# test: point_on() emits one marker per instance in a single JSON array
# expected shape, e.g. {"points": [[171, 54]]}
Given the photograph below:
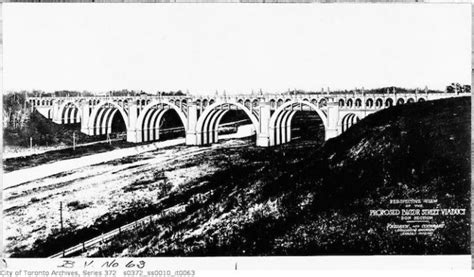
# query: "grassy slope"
{"points": [[43, 131]]}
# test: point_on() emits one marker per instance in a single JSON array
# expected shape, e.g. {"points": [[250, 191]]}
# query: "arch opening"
{"points": [[162, 125], [341, 102], [160, 121], [301, 121], [118, 125], [70, 114], [225, 120], [379, 103], [235, 123], [306, 127], [369, 103], [108, 119], [348, 121]]}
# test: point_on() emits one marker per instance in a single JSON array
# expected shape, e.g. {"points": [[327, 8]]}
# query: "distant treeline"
{"points": [[73, 93], [19, 97], [452, 88]]}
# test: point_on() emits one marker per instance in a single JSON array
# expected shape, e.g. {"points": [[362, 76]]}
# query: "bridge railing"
{"points": [[49, 100]]}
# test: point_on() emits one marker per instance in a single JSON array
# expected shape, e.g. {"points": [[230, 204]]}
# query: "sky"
{"points": [[203, 48]]}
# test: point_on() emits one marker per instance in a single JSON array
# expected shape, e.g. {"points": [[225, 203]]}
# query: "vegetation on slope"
{"points": [[43, 132]]}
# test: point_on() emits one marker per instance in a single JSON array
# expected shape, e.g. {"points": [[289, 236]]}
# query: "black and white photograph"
{"points": [[217, 130]]}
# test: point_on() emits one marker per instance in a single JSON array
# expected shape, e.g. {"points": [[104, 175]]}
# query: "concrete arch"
{"points": [[379, 103], [64, 112], [255, 103], [309, 104], [207, 123], [151, 125], [283, 134], [210, 134], [105, 122], [96, 120], [97, 129], [109, 122], [149, 130], [347, 121], [369, 102], [341, 102], [322, 103], [280, 121], [349, 103], [279, 102], [400, 101], [248, 103], [388, 102], [154, 134], [272, 104], [71, 115], [146, 109]]}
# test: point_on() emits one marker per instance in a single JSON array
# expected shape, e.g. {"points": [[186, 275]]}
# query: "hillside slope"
{"points": [[43, 131], [302, 199]]}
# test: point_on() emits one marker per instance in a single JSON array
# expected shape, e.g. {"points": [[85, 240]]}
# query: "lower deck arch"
{"points": [[108, 118], [152, 121], [281, 121], [208, 123], [69, 113], [347, 121]]}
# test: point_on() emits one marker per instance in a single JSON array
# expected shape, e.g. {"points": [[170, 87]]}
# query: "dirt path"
{"points": [[29, 174], [17, 177]]}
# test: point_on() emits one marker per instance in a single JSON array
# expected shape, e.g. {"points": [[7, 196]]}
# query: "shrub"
{"points": [[76, 205]]}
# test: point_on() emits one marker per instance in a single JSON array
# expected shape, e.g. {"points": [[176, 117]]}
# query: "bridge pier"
{"points": [[263, 134], [191, 133], [332, 129], [133, 135], [56, 113], [85, 119]]}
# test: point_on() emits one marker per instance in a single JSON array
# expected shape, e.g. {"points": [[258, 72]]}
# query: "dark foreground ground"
{"points": [[303, 199]]}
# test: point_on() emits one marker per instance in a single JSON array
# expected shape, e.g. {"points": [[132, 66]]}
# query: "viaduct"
{"points": [[270, 114]]}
